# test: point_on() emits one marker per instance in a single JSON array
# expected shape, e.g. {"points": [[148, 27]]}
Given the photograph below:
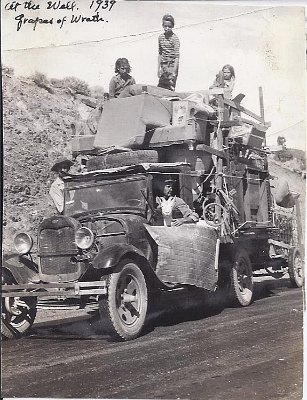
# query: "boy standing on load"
{"points": [[169, 45]]}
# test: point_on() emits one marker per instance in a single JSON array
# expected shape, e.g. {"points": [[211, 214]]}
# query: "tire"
{"points": [[296, 268], [122, 159], [241, 279], [17, 314], [125, 319], [210, 214]]}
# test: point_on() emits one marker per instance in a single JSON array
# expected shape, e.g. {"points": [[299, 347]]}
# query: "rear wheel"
{"points": [[124, 309], [241, 277], [296, 268], [17, 313]]}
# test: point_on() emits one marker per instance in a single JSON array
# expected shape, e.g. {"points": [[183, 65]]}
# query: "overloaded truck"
{"points": [[110, 245]]}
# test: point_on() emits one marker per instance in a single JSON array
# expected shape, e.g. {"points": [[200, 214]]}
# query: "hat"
{"points": [[169, 180], [60, 163]]}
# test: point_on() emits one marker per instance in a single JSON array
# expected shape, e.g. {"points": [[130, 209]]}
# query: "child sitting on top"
{"points": [[122, 79], [225, 79]]}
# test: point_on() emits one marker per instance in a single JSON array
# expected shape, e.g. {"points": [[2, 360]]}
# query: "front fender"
{"points": [[22, 268], [110, 256]]}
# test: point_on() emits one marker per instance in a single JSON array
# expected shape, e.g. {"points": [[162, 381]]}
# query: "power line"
{"points": [[154, 32], [284, 129], [151, 33]]}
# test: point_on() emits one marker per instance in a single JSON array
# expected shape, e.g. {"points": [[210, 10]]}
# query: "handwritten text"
{"points": [[98, 11]]}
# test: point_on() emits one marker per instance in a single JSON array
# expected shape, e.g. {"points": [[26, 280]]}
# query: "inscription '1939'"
{"points": [[102, 4]]}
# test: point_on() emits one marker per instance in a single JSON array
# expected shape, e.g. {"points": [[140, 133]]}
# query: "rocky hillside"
{"points": [[37, 118], [37, 129]]}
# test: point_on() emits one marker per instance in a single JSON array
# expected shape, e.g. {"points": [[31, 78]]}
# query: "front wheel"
{"points": [[241, 277], [17, 314], [124, 309], [295, 268]]}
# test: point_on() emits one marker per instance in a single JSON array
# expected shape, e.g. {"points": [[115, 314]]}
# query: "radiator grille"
{"points": [[56, 247], [58, 265]]}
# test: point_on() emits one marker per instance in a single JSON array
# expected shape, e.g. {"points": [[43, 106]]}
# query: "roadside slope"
{"points": [[36, 126]]}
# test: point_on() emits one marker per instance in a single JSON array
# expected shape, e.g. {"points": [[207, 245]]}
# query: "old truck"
{"points": [[110, 246]]}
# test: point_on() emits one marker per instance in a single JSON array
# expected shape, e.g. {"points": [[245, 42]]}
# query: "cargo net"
{"points": [[285, 222]]}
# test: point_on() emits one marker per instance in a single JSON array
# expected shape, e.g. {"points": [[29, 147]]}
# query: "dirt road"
{"points": [[191, 352]]}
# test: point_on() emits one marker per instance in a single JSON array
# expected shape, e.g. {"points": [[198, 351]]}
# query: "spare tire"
{"points": [[121, 159]]}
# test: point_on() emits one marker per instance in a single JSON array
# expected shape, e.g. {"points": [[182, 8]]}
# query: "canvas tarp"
{"points": [[186, 254]]}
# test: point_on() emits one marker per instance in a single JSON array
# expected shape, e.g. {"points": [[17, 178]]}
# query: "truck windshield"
{"points": [[122, 194]]}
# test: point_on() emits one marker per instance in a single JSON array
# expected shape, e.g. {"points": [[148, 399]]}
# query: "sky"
{"points": [[264, 43]]}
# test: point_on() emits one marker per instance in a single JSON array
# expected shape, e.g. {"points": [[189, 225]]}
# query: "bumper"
{"points": [[55, 289]]}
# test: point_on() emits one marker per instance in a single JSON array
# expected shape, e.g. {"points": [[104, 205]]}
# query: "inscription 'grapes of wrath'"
{"points": [[96, 6]]}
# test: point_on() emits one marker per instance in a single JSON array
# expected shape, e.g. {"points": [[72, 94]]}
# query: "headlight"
{"points": [[23, 243], [84, 238]]}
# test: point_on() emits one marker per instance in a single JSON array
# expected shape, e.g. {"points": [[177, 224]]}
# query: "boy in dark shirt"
{"points": [[169, 44]]}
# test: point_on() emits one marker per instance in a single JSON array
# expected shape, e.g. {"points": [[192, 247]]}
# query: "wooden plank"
{"points": [[234, 180], [261, 103], [263, 211], [253, 187], [211, 150], [237, 106], [185, 184], [225, 124], [280, 244], [219, 162], [299, 222]]}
